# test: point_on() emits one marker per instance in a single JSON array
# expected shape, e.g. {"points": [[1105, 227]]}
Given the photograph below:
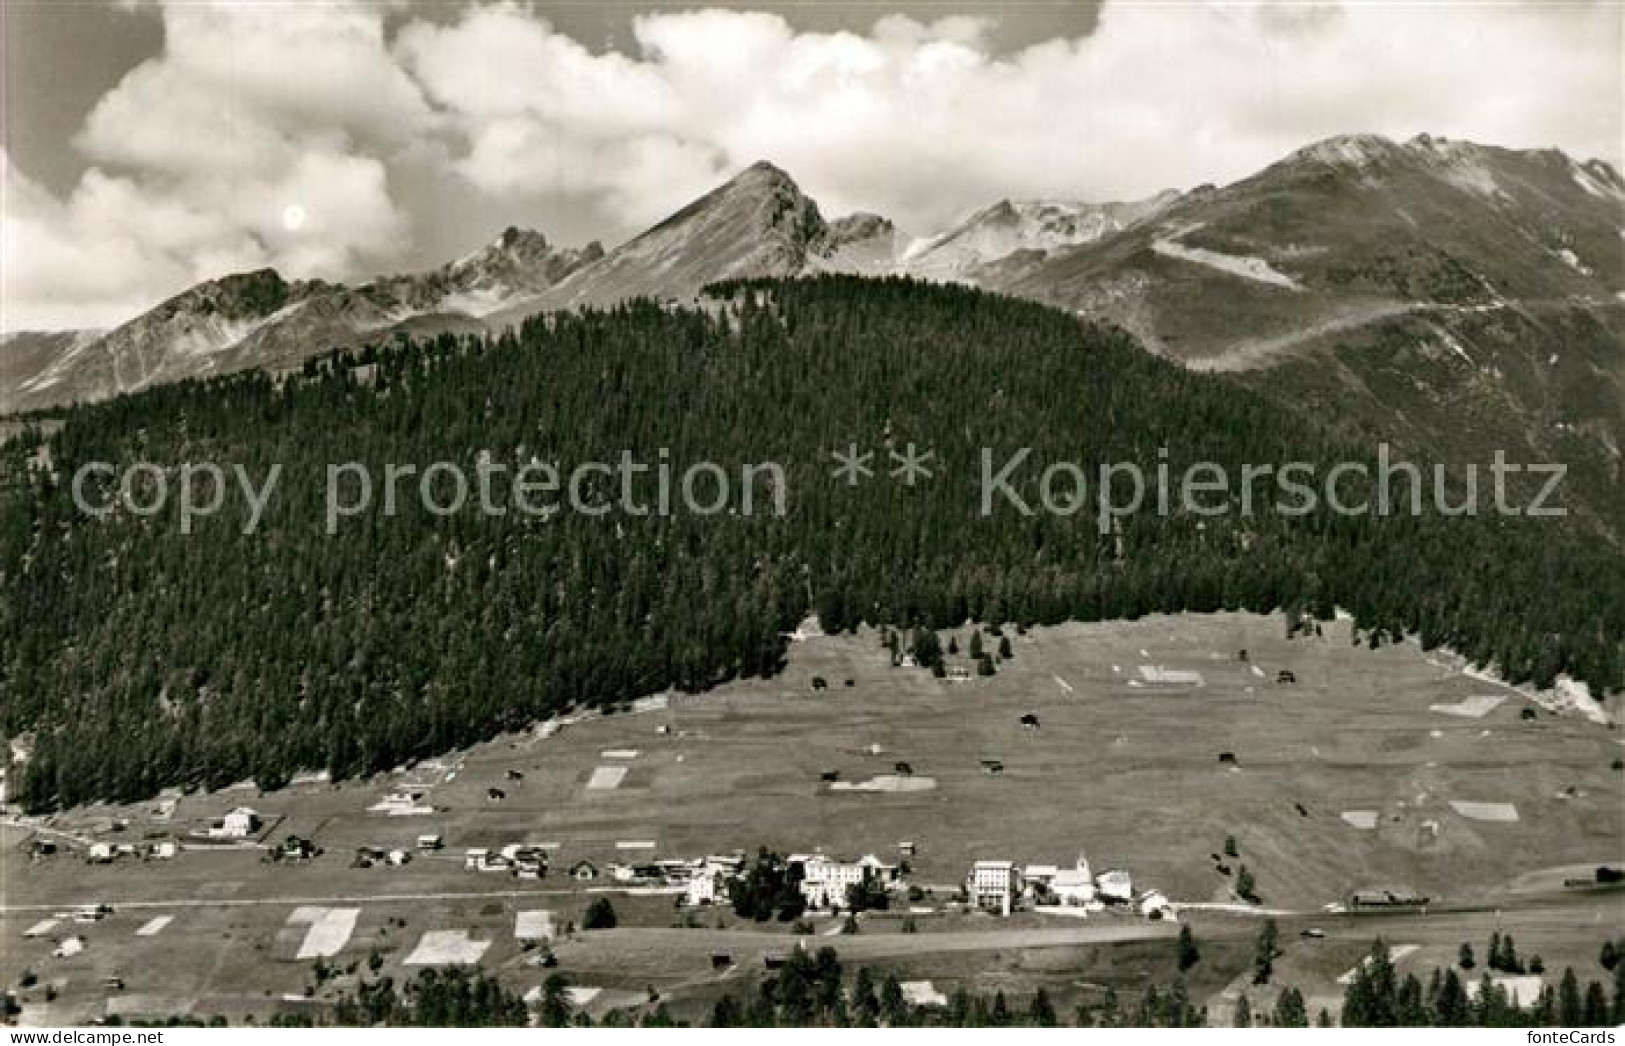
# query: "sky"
{"points": [[149, 144]]}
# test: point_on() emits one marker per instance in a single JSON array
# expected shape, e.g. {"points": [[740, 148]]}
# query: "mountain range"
{"points": [[759, 223], [1450, 296]]}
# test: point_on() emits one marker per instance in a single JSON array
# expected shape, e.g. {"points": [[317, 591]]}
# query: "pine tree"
{"points": [[555, 1009], [1595, 1012], [726, 1014], [1264, 952], [1110, 1014], [1246, 888], [1189, 955], [1289, 1009], [892, 1006], [1570, 1008], [1042, 1013], [1451, 1010], [1510, 963], [600, 915], [865, 1003]]}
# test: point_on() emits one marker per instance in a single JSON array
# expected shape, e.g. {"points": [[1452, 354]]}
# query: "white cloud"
{"points": [[924, 122], [201, 151], [255, 108]]}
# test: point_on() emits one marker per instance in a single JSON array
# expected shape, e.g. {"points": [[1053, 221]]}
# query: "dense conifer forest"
{"points": [[133, 656]]}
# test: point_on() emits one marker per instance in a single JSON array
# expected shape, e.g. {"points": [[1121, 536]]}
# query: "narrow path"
{"points": [[1262, 352], [241, 902], [24, 826], [1221, 1006]]}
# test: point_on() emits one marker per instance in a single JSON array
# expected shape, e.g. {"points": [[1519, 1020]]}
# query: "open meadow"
{"points": [[1385, 769]]}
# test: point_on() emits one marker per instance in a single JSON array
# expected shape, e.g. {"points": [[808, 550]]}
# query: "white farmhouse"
{"points": [[1115, 885], [1154, 904], [707, 878], [237, 824], [824, 882], [879, 869], [704, 888]]}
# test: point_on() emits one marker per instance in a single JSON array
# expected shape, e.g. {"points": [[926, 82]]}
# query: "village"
{"points": [[826, 883]]}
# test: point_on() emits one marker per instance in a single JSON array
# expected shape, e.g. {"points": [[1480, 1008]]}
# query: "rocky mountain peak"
{"points": [[237, 296], [520, 240], [860, 225], [1358, 151]]}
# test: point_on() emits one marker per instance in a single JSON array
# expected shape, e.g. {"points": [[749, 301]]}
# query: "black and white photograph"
{"points": [[877, 514]]}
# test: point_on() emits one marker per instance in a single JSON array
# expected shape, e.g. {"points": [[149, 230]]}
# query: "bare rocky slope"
{"points": [[259, 319], [1454, 298]]}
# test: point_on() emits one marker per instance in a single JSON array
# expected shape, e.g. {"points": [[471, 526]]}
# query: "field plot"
{"points": [[533, 925], [922, 993], [154, 926], [1475, 707], [1522, 989], [1159, 676], [329, 930], [1397, 953], [1503, 812], [446, 948], [886, 783], [606, 778]]}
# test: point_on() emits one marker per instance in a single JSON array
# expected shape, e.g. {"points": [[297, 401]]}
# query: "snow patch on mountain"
{"points": [[1573, 261], [1245, 266], [1462, 164], [481, 301], [61, 367], [1597, 178]]}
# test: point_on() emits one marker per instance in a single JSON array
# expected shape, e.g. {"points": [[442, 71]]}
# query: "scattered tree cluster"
{"points": [[1379, 998], [769, 889]]}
